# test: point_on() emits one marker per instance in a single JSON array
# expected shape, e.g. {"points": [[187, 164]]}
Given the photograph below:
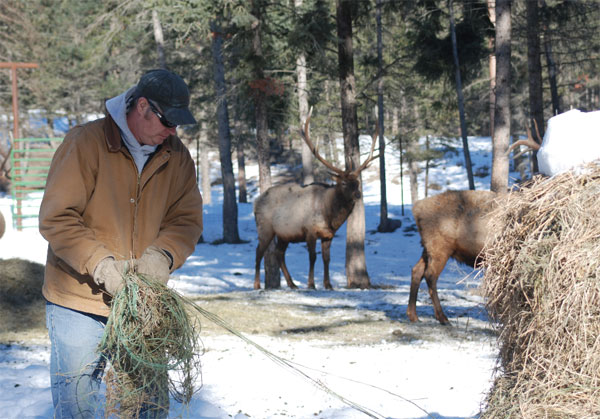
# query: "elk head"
{"points": [[340, 176]]}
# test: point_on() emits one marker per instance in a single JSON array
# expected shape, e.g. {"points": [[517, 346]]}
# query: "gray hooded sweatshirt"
{"points": [[117, 108]]}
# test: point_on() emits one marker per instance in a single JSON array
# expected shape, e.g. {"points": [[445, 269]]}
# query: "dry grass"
{"points": [[150, 334], [542, 281], [22, 306]]}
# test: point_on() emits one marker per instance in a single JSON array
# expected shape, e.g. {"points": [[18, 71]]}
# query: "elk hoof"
{"points": [[311, 287], [443, 320], [328, 287], [412, 316]]}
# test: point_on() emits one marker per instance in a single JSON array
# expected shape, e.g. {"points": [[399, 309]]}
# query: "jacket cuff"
{"points": [[170, 256], [95, 259]]}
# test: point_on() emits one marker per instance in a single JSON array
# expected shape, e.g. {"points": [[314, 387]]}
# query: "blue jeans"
{"points": [[76, 366]]}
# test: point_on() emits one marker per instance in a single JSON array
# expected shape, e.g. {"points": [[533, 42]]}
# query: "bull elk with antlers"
{"points": [[294, 214]]}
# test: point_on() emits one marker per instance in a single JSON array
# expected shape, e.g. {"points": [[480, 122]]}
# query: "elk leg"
{"points": [[416, 277], [311, 243], [432, 272], [261, 248], [280, 249], [325, 247]]}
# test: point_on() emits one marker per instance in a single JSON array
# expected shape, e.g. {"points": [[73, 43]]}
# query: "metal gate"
{"points": [[30, 163]]}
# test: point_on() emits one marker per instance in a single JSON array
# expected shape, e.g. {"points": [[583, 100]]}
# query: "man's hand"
{"points": [[109, 272], [155, 263]]}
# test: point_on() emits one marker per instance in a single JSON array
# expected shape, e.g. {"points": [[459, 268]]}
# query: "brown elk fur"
{"points": [[293, 213], [452, 224]]}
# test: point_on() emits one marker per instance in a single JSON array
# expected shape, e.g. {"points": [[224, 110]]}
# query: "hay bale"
{"points": [[542, 283]]}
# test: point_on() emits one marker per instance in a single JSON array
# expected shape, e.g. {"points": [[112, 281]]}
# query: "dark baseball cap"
{"points": [[169, 92]]}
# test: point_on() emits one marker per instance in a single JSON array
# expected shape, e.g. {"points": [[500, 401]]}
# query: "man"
{"points": [[121, 190]]}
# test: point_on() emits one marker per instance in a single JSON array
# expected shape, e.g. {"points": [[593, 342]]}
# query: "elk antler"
{"points": [[371, 157], [313, 149], [529, 142]]}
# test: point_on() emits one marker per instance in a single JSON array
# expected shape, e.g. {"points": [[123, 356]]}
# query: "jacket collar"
{"points": [[112, 134]]}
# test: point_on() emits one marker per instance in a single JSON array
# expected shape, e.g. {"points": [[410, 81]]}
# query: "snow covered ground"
{"points": [[444, 373]]}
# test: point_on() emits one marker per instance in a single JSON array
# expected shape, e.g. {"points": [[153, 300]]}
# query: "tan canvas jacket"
{"points": [[96, 205]]}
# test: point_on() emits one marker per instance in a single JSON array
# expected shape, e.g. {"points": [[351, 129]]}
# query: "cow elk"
{"points": [[294, 214], [453, 224]]}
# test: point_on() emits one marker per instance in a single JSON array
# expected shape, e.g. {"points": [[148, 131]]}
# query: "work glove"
{"points": [[155, 263], [109, 273]]}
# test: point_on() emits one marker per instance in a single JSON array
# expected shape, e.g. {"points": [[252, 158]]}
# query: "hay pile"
{"points": [[154, 348], [20, 282], [542, 283]]}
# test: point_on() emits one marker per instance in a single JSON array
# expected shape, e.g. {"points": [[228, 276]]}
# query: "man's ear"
{"points": [[142, 105]]}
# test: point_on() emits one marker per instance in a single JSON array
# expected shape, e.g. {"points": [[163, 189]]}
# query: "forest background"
{"points": [[408, 70]]}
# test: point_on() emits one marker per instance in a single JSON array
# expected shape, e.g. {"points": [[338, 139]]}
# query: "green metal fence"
{"points": [[30, 163]]}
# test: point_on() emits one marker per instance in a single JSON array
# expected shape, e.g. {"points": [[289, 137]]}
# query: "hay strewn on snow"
{"points": [[542, 283]]}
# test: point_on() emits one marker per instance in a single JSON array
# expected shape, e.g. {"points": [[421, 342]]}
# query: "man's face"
{"points": [[150, 129]]}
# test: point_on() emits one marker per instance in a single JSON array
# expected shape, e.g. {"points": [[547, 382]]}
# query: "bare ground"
{"points": [[341, 316], [332, 316]]}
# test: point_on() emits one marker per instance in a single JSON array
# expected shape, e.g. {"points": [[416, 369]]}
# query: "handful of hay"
{"points": [[542, 283], [149, 333]]}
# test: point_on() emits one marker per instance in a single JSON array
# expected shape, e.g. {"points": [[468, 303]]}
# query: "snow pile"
{"points": [[571, 139]]}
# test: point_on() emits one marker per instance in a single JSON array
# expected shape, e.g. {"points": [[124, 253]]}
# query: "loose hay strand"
{"points": [[154, 348], [542, 283], [282, 361], [150, 332]]}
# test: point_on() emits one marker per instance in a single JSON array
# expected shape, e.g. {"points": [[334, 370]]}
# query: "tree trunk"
{"points": [[426, 182], [356, 265], [501, 139], [230, 210], [205, 174], [412, 151], [302, 86], [385, 224], [413, 175], [491, 5], [396, 135], [551, 64], [159, 38], [205, 165], [396, 120], [534, 68], [552, 72], [242, 188], [331, 134], [461, 105], [272, 277]]}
